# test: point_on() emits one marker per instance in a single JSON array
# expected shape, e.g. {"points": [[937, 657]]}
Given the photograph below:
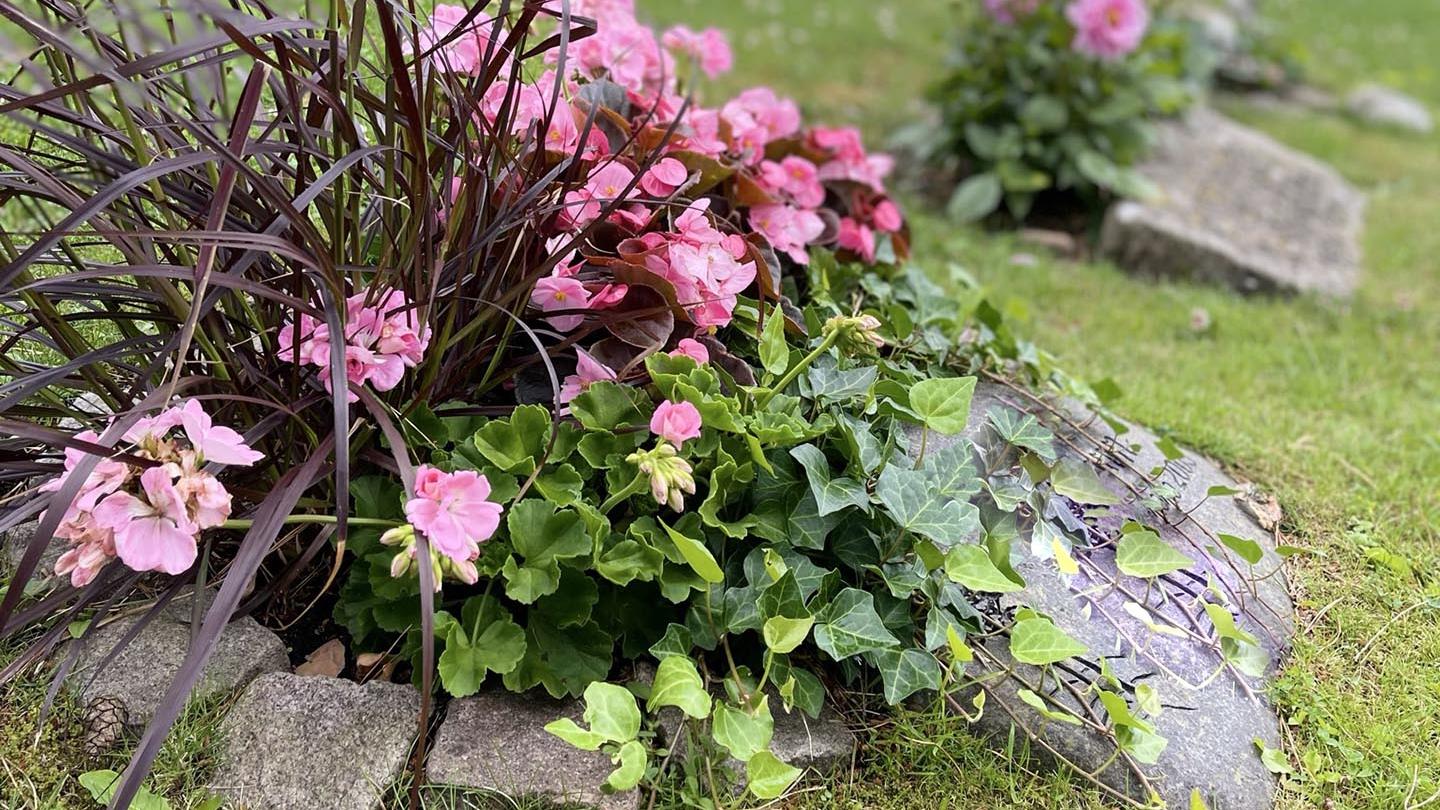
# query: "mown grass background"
{"points": [[1334, 407]]}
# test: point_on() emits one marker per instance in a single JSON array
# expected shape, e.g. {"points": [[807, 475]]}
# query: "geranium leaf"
{"points": [[607, 406]]}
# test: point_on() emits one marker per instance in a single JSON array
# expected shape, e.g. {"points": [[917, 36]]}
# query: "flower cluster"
{"points": [[149, 517], [456, 515], [1106, 29], [383, 337], [694, 203]]}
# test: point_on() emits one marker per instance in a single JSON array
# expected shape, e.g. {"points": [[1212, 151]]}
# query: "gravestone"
{"points": [[1213, 714], [1236, 208], [307, 742]]}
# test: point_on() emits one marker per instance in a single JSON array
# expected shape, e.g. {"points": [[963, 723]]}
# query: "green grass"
{"points": [[1334, 407]]}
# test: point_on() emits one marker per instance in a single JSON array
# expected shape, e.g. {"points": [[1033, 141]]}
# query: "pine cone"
{"points": [[104, 725]]}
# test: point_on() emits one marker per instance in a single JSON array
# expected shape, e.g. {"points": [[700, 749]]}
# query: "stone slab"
{"points": [[496, 741], [1386, 107], [1210, 723], [140, 674], [297, 743], [1239, 209]]}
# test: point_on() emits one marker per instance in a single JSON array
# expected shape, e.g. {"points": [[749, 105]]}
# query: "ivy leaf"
{"points": [[767, 777], [943, 404], [922, 508], [1024, 430], [1249, 550], [774, 353], [696, 555], [809, 528], [743, 734], [950, 471], [849, 625], [905, 672], [971, 566], [102, 785], [569, 731], [632, 759], [783, 635], [1143, 554], [678, 683], [831, 495], [1038, 641], [829, 384], [1076, 480], [611, 711], [1273, 759], [676, 641], [1037, 703]]}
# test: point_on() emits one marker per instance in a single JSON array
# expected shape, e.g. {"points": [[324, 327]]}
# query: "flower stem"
{"points": [[637, 484], [794, 372]]}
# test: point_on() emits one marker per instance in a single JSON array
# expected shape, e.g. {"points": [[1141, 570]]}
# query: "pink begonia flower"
{"points": [[604, 12], [554, 293], [624, 52], [153, 534], [887, 217], [756, 117], [795, 177], [693, 349], [788, 229], [857, 238], [664, 177], [588, 371], [464, 53], [709, 48], [1007, 11], [1108, 29], [213, 442], [850, 161], [605, 186], [453, 510], [676, 422], [707, 279]]}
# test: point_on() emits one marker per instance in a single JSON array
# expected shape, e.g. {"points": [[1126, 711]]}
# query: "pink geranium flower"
{"points": [[709, 48], [213, 442], [453, 510], [384, 336], [1108, 29], [693, 349], [887, 217], [676, 422], [788, 229], [588, 371], [154, 533]]}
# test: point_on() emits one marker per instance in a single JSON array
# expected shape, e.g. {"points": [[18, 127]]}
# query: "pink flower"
{"points": [[756, 117], [665, 177], [788, 229], [383, 334], [709, 48], [92, 547], [108, 476], [796, 177], [453, 511], [214, 443], [1007, 11], [153, 534], [605, 186], [850, 161], [1108, 29], [559, 293], [676, 422], [588, 371], [887, 217], [693, 349], [464, 53], [857, 238], [206, 499]]}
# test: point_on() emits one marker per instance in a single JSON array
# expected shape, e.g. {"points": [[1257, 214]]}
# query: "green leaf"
{"points": [[774, 353], [905, 672], [944, 403], [1024, 430], [850, 625], [767, 777], [831, 495], [499, 648], [541, 532], [1249, 550], [829, 384], [1042, 114], [743, 734], [678, 683], [976, 198], [1076, 480], [607, 406], [676, 641], [567, 730], [1143, 554], [696, 555], [611, 711], [971, 566], [1038, 641], [102, 785], [1037, 703], [632, 759], [561, 485], [783, 635], [1197, 802], [516, 444], [919, 506], [1272, 758]]}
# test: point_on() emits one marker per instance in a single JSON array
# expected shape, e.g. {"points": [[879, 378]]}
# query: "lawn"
{"points": [[1333, 407]]}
